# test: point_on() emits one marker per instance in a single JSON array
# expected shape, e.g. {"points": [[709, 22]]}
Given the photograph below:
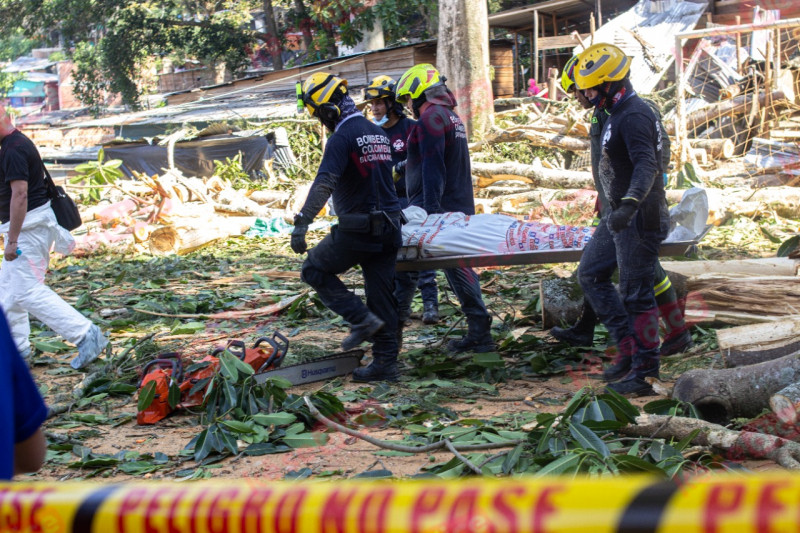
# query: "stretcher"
{"points": [[567, 255]]}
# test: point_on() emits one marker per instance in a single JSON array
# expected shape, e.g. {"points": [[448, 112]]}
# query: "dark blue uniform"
{"points": [[356, 172], [398, 140], [439, 180], [630, 166]]}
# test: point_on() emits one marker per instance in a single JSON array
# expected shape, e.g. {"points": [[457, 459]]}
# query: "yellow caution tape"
{"points": [[710, 504]]}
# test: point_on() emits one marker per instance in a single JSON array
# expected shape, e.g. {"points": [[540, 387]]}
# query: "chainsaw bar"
{"points": [[330, 366]]}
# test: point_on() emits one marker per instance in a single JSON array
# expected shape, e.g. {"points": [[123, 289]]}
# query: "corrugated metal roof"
{"points": [[646, 32], [27, 63]]}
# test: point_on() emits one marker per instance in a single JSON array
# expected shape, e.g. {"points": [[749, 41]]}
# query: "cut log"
{"points": [[270, 198], [786, 403], [756, 343], [735, 445], [764, 295], [720, 395], [536, 138], [182, 240], [772, 266], [539, 176], [714, 148], [562, 301]]}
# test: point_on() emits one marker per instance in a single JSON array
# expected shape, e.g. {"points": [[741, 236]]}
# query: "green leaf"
{"points": [[687, 440], [567, 463], [202, 447], [281, 383], [624, 410], [146, 396], [660, 451], [50, 346], [243, 367], [239, 427], [190, 328], [137, 468], [228, 366], [575, 402], [174, 395], [789, 245], [630, 463], [265, 448], [587, 438], [488, 360], [512, 459], [306, 440]]}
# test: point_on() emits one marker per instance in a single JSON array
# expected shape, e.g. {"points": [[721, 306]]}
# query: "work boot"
{"points": [[678, 343], [621, 364], [478, 338], [362, 331], [89, 348], [580, 334], [430, 313], [382, 368], [634, 384]]}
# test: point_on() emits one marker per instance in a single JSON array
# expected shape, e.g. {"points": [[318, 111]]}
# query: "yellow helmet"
{"points": [[319, 88], [380, 87], [415, 81], [601, 63], [568, 75]]}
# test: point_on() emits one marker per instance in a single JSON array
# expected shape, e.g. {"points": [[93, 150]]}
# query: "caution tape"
{"points": [[709, 504]]}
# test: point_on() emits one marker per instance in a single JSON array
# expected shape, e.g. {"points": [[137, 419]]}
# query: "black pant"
{"points": [[340, 251]]}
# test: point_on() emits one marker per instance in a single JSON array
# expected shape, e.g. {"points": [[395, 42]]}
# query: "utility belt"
{"points": [[375, 223]]}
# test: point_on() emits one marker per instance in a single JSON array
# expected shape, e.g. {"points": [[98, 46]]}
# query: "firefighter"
{"points": [[630, 232], [677, 337], [439, 180], [356, 172], [389, 114]]}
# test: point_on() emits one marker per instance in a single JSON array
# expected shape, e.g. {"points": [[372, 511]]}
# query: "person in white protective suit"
{"points": [[29, 229]]}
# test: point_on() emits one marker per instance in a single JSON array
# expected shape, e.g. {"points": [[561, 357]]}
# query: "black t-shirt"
{"points": [[398, 138], [438, 173], [20, 160], [359, 157]]}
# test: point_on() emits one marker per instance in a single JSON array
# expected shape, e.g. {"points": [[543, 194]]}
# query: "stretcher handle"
{"points": [[171, 360], [235, 343], [274, 357]]}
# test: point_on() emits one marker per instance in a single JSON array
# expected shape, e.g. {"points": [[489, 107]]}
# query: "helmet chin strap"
{"points": [[417, 103]]}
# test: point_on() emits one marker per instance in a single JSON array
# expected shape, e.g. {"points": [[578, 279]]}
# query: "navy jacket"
{"points": [[438, 175]]}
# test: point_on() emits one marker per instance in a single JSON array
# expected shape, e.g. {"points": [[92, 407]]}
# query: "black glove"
{"points": [[301, 223], [620, 218], [399, 171]]}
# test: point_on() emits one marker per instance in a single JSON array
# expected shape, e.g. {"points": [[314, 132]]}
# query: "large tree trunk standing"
{"points": [[274, 42], [462, 55]]}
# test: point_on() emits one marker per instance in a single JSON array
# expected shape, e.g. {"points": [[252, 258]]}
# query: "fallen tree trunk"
{"points": [[756, 343], [720, 395], [182, 239], [786, 403], [735, 445], [538, 176], [562, 301], [536, 138], [729, 108], [771, 266], [765, 295], [715, 148]]}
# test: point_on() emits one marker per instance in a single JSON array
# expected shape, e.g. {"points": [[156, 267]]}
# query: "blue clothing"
{"points": [[22, 409], [398, 139], [355, 170], [438, 175]]}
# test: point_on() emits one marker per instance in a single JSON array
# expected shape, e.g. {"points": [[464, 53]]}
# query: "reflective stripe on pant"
{"points": [[23, 291]]}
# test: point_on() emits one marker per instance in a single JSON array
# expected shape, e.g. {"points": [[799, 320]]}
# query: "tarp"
{"points": [[27, 89], [192, 158]]}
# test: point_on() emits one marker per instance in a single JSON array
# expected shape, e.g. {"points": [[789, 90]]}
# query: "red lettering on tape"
{"points": [[501, 505], [426, 504], [462, 512], [254, 509], [544, 508], [334, 511], [372, 516], [768, 506], [722, 500], [172, 514], [220, 510], [288, 511], [129, 504]]}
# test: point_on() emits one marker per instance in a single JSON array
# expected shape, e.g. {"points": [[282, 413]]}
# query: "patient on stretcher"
{"points": [[450, 234]]}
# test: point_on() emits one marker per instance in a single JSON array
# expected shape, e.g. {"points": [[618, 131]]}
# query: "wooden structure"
{"points": [[557, 24], [358, 70]]}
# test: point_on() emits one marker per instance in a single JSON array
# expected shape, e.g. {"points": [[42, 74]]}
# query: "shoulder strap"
{"points": [[52, 192]]}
